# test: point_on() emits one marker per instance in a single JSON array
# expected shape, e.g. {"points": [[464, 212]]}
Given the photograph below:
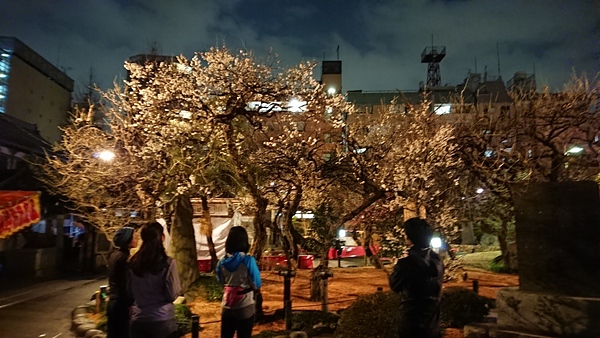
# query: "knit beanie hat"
{"points": [[123, 237]]}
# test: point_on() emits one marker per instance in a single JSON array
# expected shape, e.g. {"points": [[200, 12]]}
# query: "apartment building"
{"points": [[32, 89]]}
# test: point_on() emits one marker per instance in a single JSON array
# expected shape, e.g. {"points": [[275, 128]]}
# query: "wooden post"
{"points": [[288, 315], [324, 295], [195, 326], [324, 275], [97, 298], [476, 286]]}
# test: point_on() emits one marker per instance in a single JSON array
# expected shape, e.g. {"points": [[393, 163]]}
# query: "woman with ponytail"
{"points": [[154, 285]]}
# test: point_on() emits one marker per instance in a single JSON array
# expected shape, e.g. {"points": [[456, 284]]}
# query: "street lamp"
{"points": [[574, 150], [106, 155], [436, 243], [296, 106]]}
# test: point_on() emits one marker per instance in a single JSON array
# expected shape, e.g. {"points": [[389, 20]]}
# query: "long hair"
{"points": [[151, 257], [237, 241]]}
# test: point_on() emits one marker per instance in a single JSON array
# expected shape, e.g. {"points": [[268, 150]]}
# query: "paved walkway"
{"points": [[13, 292]]}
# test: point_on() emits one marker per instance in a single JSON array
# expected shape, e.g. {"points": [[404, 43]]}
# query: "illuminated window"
{"points": [[4, 71], [327, 156], [442, 108]]}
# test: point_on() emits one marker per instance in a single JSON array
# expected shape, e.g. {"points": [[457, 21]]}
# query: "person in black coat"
{"points": [[117, 309], [418, 279]]}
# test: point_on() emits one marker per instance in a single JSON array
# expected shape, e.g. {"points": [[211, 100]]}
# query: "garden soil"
{"points": [[344, 287]]}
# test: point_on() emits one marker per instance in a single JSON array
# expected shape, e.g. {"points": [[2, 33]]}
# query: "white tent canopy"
{"points": [[221, 227]]}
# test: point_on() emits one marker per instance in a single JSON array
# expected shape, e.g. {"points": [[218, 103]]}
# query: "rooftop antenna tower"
{"points": [[432, 56], [498, 56]]}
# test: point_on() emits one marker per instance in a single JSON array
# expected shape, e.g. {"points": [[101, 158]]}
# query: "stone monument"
{"points": [[558, 247]]}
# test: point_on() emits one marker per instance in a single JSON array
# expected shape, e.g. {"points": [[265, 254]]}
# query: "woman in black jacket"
{"points": [[117, 309], [418, 278]]}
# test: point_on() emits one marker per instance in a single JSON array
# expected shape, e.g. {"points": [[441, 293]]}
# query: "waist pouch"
{"points": [[233, 295]]}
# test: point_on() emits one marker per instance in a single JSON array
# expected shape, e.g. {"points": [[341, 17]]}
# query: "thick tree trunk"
{"points": [[315, 285], [373, 257], [468, 233], [558, 164], [315, 282], [290, 242], [206, 228], [183, 242], [289, 230], [260, 229], [250, 182], [503, 241], [290, 248]]}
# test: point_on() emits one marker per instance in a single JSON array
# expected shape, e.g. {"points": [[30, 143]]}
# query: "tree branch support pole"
{"points": [[287, 295], [287, 284], [325, 275], [288, 315]]}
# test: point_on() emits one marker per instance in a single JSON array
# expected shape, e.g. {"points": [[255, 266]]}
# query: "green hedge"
{"points": [[370, 316], [377, 315], [461, 306]]}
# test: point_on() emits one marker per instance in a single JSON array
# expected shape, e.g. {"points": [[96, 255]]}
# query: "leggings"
{"points": [[230, 325]]}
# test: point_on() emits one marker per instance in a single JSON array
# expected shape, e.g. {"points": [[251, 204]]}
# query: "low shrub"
{"points": [[497, 266], [461, 306], [183, 316], [271, 334], [377, 315], [370, 316], [306, 320], [206, 286]]}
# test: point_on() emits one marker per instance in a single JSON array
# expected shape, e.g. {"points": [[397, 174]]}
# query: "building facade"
{"points": [[32, 89]]}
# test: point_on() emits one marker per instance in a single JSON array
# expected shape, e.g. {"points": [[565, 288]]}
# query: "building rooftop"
{"points": [[22, 136], [359, 97], [17, 48]]}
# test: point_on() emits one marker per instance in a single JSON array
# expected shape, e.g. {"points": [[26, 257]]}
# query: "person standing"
{"points": [[154, 285], [117, 309], [418, 279], [239, 274]]}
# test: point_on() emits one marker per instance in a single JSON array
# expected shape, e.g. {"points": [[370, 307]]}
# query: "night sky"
{"points": [[380, 42]]}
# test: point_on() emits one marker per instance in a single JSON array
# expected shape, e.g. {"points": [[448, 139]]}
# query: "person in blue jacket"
{"points": [[239, 274]]}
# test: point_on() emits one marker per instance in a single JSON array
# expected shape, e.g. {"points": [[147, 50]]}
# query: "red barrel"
{"points": [[204, 265], [305, 261]]}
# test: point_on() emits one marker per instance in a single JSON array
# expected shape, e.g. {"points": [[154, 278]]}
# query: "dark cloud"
{"points": [[380, 41]]}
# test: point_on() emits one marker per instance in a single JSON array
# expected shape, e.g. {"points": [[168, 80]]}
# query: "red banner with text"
{"points": [[18, 210]]}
